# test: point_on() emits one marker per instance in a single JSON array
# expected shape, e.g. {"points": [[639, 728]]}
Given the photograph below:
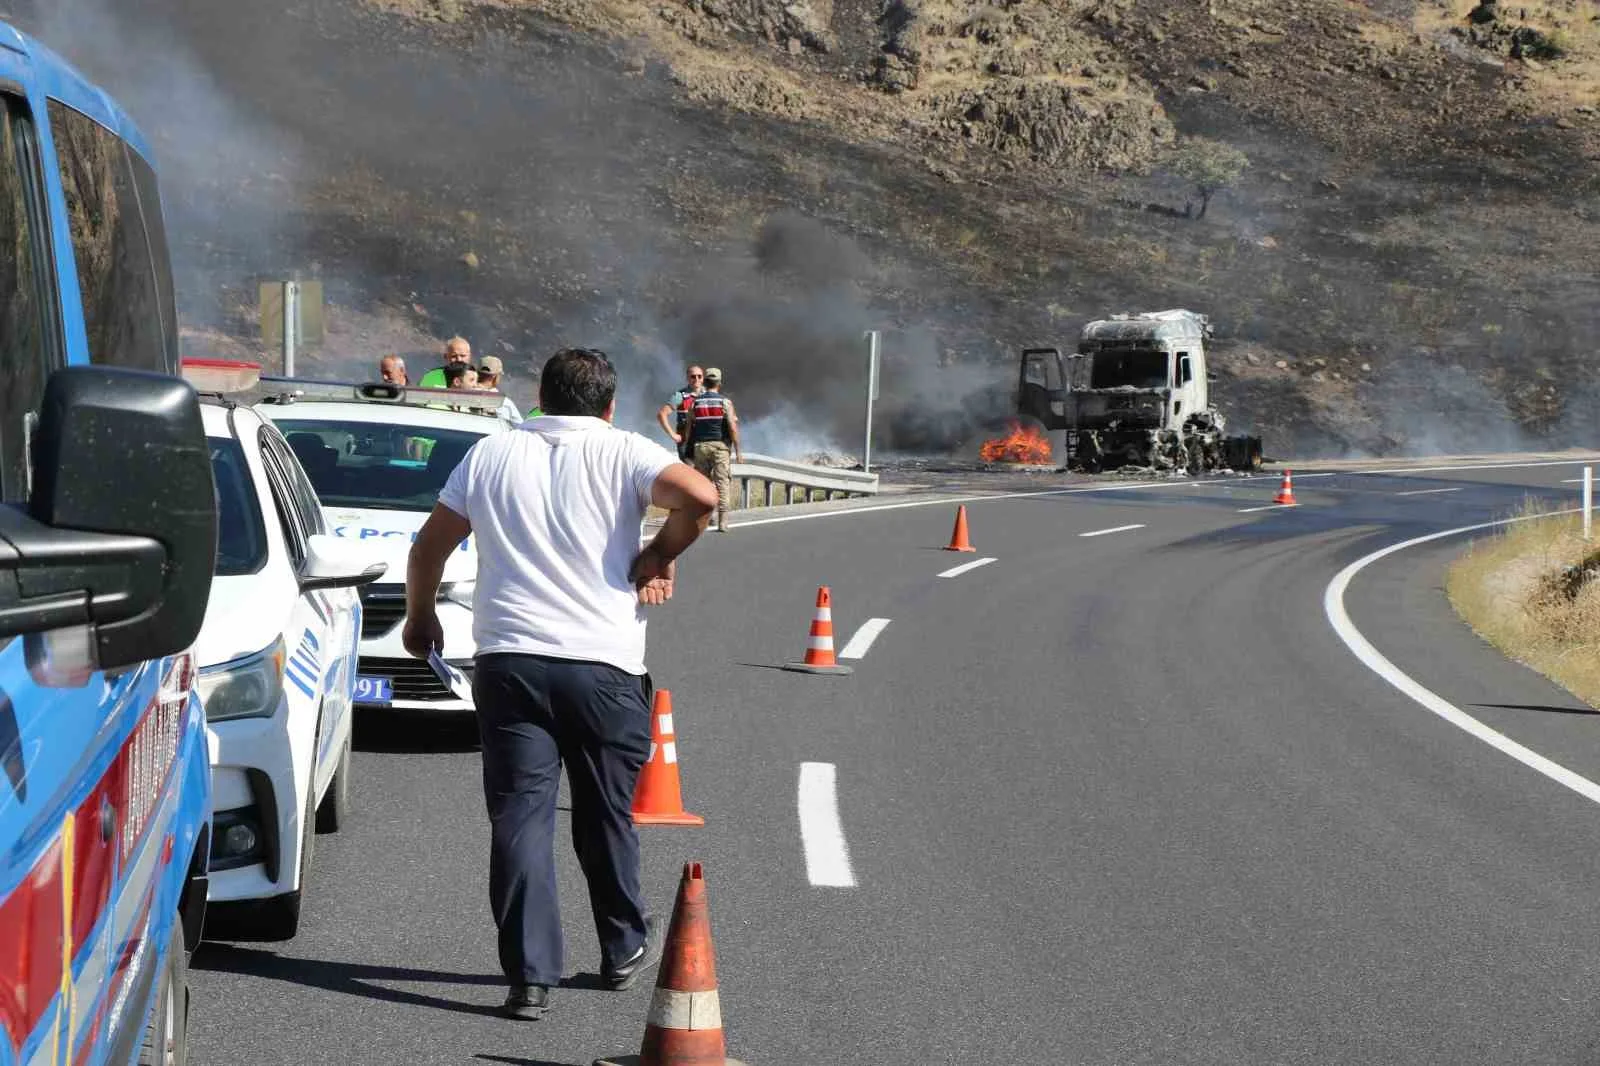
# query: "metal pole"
{"points": [[872, 394], [1588, 499], [291, 319]]}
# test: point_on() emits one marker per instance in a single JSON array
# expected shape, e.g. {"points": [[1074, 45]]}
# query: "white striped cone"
{"points": [[819, 645]]}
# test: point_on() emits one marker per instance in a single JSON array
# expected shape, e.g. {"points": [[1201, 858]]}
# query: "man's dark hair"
{"points": [[577, 381], [454, 373]]}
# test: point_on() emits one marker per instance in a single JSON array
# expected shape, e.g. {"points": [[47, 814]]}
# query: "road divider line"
{"points": [[1374, 660], [827, 855], [1268, 507], [858, 646], [1429, 492], [957, 571], [1113, 529]]}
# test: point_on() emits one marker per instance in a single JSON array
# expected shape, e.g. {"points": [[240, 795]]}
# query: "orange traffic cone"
{"points": [[958, 536], [819, 648], [658, 799], [1285, 494], [684, 1027]]}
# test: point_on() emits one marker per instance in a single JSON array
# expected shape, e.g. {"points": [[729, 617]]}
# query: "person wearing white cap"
{"points": [[491, 372]]}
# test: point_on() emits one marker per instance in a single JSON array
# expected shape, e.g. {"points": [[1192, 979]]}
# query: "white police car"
{"points": [[378, 454], [277, 655]]}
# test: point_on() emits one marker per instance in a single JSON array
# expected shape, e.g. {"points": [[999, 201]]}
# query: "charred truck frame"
{"points": [[1136, 393]]}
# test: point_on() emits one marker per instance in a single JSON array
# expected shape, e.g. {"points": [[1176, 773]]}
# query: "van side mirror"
{"points": [[120, 534], [1211, 375]]}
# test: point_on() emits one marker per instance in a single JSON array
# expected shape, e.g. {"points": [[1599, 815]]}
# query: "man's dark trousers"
{"points": [[535, 713]]}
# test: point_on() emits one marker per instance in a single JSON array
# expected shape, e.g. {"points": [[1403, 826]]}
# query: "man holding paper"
{"points": [[558, 507]]}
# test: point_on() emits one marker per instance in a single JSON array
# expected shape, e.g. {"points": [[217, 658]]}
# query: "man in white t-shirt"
{"points": [[557, 506]]}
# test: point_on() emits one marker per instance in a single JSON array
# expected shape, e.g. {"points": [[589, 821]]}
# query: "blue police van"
{"points": [[107, 541]]}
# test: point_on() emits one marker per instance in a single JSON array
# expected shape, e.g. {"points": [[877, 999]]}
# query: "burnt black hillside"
{"points": [[1405, 265]]}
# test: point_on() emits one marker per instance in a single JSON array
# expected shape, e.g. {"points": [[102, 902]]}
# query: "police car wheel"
{"points": [[166, 1038], [334, 810]]}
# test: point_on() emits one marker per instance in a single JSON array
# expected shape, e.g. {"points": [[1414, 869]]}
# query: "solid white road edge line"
{"points": [[827, 856], [957, 571], [1372, 659], [861, 643], [1113, 529], [1429, 492]]}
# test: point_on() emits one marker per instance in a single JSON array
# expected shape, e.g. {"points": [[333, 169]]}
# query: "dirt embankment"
{"points": [[1533, 591], [1400, 264]]}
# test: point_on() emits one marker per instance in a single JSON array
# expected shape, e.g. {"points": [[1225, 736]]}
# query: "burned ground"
{"points": [[1404, 266]]}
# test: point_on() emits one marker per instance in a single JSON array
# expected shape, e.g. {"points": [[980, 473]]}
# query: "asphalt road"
{"points": [[1124, 798]]}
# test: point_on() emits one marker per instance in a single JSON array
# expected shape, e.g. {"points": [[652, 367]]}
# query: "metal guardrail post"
{"points": [[1588, 500]]}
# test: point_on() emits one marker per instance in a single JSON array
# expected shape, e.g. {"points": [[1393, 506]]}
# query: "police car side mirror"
{"points": [[119, 538], [335, 564]]}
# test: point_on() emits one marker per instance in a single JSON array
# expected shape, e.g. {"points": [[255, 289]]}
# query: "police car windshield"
{"points": [[241, 538], [376, 465]]}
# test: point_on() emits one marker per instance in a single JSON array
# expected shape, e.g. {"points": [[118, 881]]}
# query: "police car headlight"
{"points": [[459, 592], [245, 688]]}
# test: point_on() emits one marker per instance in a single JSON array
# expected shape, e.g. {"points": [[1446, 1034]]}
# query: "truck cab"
{"points": [[1135, 393], [107, 540]]}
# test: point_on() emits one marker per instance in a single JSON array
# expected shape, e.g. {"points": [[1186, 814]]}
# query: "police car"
{"points": [[277, 657], [378, 454]]}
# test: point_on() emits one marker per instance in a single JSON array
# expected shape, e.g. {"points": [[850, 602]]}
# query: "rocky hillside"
{"points": [[1388, 208]]}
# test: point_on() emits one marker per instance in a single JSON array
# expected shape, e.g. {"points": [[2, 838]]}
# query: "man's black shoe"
{"points": [[526, 1002], [624, 974]]}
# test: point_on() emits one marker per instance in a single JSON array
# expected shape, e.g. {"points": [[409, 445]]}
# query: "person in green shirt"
{"points": [[456, 350]]}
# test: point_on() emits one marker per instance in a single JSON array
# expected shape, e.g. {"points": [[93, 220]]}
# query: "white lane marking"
{"points": [[861, 643], [1113, 529], [1473, 466], [1372, 659], [1268, 507], [1429, 492], [957, 571], [827, 855]]}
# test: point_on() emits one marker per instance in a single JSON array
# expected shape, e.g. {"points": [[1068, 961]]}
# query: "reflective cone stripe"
{"points": [[658, 796]]}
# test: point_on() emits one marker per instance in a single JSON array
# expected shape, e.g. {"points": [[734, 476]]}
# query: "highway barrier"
{"points": [[768, 482]]}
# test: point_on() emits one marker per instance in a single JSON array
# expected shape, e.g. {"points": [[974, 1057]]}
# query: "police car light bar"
{"points": [[293, 390], [220, 375]]}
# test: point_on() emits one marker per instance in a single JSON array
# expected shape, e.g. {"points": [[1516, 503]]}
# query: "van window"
{"points": [[25, 352], [121, 297]]}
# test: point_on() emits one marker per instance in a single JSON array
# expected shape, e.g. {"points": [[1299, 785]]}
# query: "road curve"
{"points": [[1122, 798]]}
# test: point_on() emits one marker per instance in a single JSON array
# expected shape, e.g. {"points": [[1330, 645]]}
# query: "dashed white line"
{"points": [[1339, 618], [827, 854], [957, 571], [1113, 529], [1268, 507], [861, 643], [1429, 492]]}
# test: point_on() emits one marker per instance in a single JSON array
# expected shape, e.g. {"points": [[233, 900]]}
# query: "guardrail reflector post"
{"points": [[1588, 500]]}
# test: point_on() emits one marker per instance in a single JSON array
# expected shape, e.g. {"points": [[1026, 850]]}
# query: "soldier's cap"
{"points": [[713, 374], [491, 364]]}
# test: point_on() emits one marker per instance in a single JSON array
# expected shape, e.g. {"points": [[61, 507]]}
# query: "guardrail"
{"points": [[767, 482]]}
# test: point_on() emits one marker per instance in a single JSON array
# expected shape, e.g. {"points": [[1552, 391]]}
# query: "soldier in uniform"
{"points": [[713, 426]]}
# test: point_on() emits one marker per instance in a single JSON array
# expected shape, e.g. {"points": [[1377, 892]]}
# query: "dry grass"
{"points": [[1533, 591], [1559, 84]]}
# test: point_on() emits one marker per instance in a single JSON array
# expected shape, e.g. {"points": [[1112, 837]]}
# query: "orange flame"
{"points": [[1024, 444]]}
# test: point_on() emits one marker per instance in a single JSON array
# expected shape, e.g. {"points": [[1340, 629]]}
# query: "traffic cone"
{"points": [[819, 648], [958, 536], [1285, 494], [684, 1027], [658, 799]]}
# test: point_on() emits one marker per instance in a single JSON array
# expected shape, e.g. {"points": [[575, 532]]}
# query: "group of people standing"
{"points": [[702, 423], [458, 372]]}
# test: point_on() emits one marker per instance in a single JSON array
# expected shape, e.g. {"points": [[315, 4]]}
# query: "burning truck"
{"points": [[1136, 393]]}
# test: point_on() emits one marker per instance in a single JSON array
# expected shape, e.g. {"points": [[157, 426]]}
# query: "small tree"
{"points": [[1207, 165]]}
